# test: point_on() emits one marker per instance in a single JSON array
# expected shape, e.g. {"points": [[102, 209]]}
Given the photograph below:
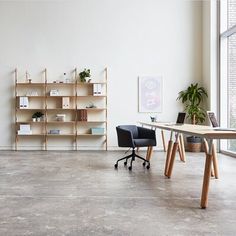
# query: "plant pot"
{"points": [[194, 144], [34, 119], [38, 119]]}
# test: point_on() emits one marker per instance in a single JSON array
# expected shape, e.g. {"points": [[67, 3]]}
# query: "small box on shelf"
{"points": [[54, 131], [54, 92], [24, 129], [61, 117], [97, 130]]}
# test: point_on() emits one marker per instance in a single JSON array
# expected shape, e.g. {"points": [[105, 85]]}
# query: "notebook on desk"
{"points": [[215, 124]]}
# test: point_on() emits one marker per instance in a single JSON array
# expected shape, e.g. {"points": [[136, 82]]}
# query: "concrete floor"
{"points": [[80, 193]]}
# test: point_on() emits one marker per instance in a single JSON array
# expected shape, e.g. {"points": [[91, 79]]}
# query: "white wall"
{"points": [[132, 38], [210, 53]]}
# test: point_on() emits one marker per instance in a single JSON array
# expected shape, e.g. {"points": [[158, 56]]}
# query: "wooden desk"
{"points": [[205, 132]]}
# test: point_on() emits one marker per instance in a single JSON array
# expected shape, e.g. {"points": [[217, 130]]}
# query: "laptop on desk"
{"points": [[215, 124], [180, 119]]}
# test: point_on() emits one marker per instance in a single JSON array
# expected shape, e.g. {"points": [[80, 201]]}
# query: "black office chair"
{"points": [[133, 136]]}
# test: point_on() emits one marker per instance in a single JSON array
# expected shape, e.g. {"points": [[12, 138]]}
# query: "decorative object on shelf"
{"points": [[54, 92], [65, 78], [60, 117], [84, 74], [91, 105], [32, 93], [153, 118], [65, 102], [37, 116], [192, 98], [150, 94], [27, 77], [89, 80]]}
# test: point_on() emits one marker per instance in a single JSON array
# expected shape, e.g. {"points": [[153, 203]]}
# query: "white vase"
{"points": [[38, 119], [34, 119]]}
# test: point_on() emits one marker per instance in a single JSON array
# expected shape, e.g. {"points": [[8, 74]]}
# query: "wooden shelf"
{"points": [[30, 109], [79, 93], [84, 83], [67, 84], [61, 122], [91, 134], [58, 135], [18, 96], [93, 109], [60, 109], [60, 96], [30, 122], [88, 122], [31, 135], [91, 96], [30, 84]]}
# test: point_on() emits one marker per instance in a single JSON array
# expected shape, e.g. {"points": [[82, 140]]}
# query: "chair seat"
{"points": [[144, 142]]}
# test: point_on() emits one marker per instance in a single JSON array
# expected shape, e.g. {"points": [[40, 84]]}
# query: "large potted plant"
{"points": [[192, 99]]}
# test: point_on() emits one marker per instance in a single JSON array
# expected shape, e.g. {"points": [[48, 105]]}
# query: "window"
{"points": [[228, 70]]}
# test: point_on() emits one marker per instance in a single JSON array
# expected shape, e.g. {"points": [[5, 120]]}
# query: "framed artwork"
{"points": [[150, 94]]}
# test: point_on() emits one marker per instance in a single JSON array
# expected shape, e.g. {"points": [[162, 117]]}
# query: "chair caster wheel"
{"points": [[148, 167], [130, 167], [116, 166], [144, 164], [125, 163]]}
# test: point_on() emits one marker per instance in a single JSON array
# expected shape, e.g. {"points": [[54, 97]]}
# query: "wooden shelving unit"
{"points": [[50, 106]]}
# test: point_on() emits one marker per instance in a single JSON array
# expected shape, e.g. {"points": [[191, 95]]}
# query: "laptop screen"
{"points": [[212, 118], [181, 118]]}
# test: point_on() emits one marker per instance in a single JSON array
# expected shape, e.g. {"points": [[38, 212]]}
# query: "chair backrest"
{"points": [[212, 118], [132, 128]]}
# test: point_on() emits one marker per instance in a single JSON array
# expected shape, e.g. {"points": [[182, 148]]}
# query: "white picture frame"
{"points": [[150, 93]]}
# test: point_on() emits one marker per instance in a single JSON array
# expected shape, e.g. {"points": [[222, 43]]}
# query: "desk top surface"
{"points": [[195, 130]]}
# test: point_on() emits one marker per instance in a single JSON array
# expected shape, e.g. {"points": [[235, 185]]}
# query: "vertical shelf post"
{"points": [[16, 138], [106, 104], [45, 110]]}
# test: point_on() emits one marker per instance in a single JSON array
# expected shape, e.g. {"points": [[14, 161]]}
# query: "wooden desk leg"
{"points": [[206, 148], [168, 154], [182, 147], [172, 159], [149, 153], [179, 149], [206, 178], [215, 161], [169, 151], [206, 181], [163, 140]]}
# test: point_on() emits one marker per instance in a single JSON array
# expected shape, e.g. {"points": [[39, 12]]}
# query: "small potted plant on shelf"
{"points": [[192, 98], [37, 116], [84, 74]]}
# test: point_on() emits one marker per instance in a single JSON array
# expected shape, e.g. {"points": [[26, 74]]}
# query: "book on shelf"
{"points": [[97, 89], [24, 102], [82, 115]]}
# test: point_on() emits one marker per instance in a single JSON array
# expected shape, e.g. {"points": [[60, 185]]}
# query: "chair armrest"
{"points": [[146, 133], [125, 138]]}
